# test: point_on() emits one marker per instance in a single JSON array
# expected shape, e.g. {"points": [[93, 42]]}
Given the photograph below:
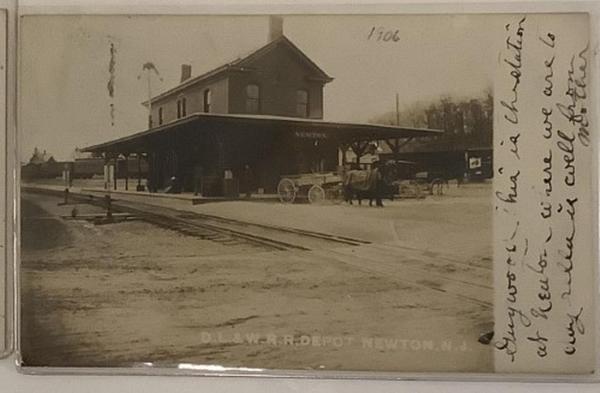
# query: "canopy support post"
{"points": [[126, 155], [139, 172], [116, 172], [106, 170]]}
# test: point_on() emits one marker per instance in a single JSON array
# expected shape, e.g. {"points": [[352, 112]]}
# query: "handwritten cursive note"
{"points": [[544, 206], [4, 262], [3, 212]]}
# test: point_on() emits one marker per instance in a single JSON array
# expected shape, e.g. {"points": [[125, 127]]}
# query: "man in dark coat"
{"points": [[247, 181]]}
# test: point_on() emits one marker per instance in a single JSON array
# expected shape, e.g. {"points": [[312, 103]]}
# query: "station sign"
{"points": [[310, 135]]}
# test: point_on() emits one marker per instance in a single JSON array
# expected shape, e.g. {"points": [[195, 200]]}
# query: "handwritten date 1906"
{"points": [[382, 34]]}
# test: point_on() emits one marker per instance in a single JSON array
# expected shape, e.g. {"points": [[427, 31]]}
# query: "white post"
{"points": [[106, 178]]}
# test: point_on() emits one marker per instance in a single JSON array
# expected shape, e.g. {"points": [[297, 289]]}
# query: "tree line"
{"points": [[467, 122]]}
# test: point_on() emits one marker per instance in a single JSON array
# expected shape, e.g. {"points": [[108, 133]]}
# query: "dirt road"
{"points": [[132, 292]]}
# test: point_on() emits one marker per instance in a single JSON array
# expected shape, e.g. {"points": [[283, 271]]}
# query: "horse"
{"points": [[363, 184]]}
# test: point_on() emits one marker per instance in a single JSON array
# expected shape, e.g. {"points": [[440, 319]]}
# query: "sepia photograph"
{"points": [[277, 192], [5, 271]]}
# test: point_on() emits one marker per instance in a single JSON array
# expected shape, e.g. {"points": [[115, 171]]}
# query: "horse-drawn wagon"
{"points": [[396, 179], [411, 183], [311, 187], [333, 187]]}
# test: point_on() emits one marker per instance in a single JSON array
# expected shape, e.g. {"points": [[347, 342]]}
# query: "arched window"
{"points": [[207, 100], [302, 109], [252, 99]]}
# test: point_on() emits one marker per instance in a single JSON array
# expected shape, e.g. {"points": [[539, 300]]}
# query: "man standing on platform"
{"points": [[247, 181]]}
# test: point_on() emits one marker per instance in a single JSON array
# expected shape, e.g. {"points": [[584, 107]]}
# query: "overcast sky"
{"points": [[64, 65]]}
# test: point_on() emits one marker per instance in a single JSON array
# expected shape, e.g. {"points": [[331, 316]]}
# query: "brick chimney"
{"points": [[275, 27], [186, 72]]}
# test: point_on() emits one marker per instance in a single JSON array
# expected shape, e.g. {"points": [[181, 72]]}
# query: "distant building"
{"points": [[464, 150], [41, 165], [40, 157]]}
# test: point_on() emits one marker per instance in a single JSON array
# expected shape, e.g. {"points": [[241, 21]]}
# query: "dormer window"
{"points": [[252, 99], [302, 109], [181, 108], [207, 100]]}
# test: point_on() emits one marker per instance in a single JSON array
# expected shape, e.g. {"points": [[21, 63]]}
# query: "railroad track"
{"points": [[465, 281], [389, 260], [302, 232], [194, 227], [218, 229], [269, 236]]}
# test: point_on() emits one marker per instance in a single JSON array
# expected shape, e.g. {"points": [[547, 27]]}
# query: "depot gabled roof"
{"points": [[197, 122], [246, 61]]}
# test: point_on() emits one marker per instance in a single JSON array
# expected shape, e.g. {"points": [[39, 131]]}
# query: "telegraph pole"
{"points": [[149, 98], [397, 109]]}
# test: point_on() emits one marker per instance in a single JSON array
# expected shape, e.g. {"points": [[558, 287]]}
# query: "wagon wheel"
{"points": [[286, 189], [316, 194]]}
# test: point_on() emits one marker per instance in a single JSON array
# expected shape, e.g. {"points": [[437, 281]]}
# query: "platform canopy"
{"points": [[341, 132]]}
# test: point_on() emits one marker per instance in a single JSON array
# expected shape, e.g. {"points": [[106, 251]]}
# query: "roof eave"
{"points": [[96, 148], [320, 79], [238, 65], [422, 132], [191, 82]]}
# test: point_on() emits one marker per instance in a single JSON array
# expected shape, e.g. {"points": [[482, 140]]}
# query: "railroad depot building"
{"points": [[261, 113]]}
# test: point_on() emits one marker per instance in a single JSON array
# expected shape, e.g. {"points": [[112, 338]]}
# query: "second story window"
{"points": [[252, 99], [207, 100], [181, 108], [160, 116], [302, 109]]}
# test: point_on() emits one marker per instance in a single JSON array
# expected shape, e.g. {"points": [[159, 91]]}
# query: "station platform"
{"points": [[142, 196]]}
